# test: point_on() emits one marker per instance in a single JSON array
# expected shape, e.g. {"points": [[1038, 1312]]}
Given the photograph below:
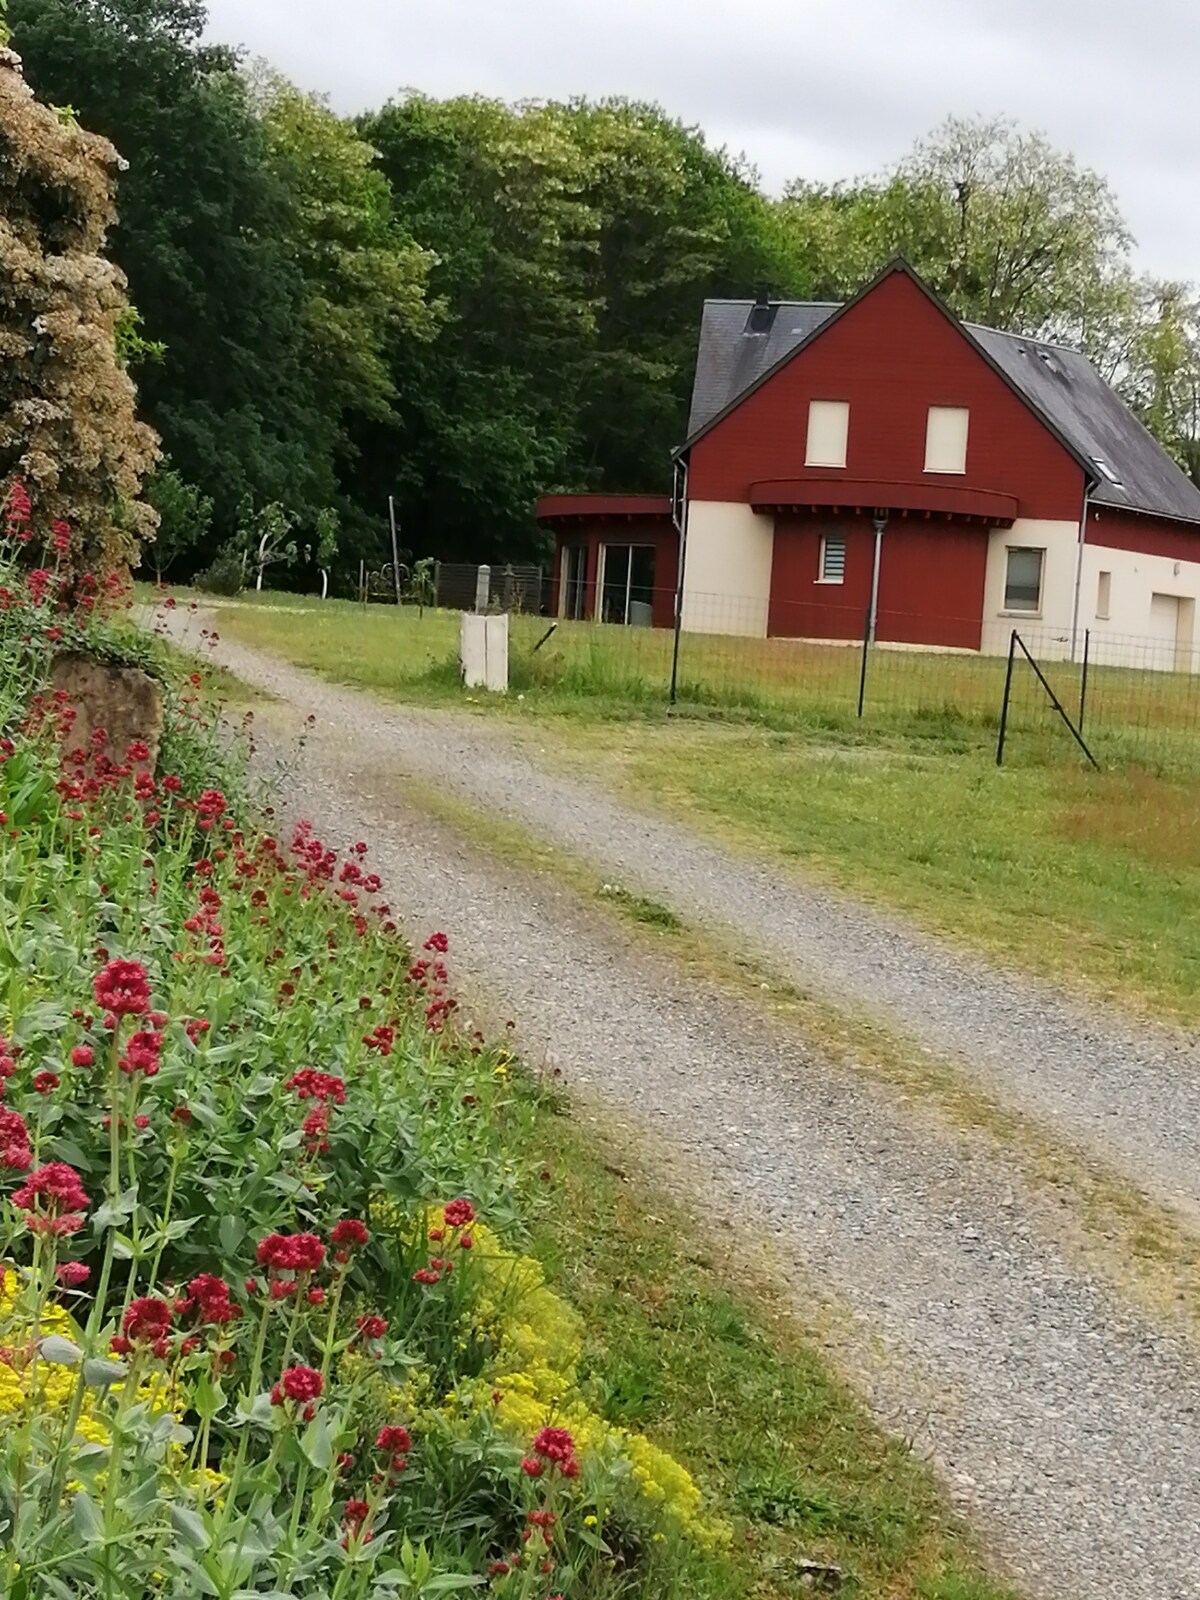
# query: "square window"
{"points": [[1103, 596], [946, 439], [832, 564], [1023, 579], [828, 427]]}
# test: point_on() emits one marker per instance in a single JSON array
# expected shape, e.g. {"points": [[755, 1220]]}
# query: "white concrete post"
{"points": [[483, 651], [483, 585]]}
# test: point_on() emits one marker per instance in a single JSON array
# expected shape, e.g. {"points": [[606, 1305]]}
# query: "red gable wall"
{"points": [[892, 355]]}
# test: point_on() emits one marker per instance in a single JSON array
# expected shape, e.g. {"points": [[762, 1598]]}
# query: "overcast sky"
{"points": [[822, 89]]}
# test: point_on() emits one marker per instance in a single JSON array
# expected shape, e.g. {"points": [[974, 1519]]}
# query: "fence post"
{"points": [[1008, 672], [1087, 637], [483, 585], [868, 629], [437, 584]]}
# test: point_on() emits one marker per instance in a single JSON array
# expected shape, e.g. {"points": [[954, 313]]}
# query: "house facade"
{"points": [[881, 466]]}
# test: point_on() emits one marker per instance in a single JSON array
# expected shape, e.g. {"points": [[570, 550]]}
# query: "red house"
{"points": [[881, 465]]}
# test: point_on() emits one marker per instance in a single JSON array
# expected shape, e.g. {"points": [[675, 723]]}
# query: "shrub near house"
{"points": [[259, 1327]]}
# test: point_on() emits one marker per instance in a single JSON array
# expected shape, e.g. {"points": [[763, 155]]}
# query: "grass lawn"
{"points": [[724, 1378], [1066, 872]]}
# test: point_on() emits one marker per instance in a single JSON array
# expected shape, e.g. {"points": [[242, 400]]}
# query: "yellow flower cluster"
{"points": [[532, 1382], [28, 1390]]}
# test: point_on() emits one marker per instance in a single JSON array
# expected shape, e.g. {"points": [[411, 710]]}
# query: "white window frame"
{"points": [[1025, 549], [937, 423], [828, 433], [822, 575]]}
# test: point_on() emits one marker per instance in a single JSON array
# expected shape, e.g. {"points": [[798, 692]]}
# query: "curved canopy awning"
{"points": [[872, 497]]}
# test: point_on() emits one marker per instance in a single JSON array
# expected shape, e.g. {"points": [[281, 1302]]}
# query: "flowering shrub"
{"points": [[259, 1330]]}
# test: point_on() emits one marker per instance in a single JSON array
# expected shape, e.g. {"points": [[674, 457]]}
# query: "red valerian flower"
{"points": [[142, 1053], [123, 987], [349, 1232], [83, 1056], [54, 1195], [148, 1321], [298, 1383], [532, 1467], [393, 1441], [312, 1085], [356, 1512], [16, 1151], [291, 1252], [555, 1444], [371, 1326], [45, 1082], [438, 942], [459, 1213], [208, 1296], [72, 1273]]}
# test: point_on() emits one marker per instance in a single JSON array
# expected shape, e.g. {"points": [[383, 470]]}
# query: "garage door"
{"points": [[1163, 633]]}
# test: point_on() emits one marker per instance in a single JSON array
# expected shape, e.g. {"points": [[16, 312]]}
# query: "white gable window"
{"points": [[946, 439], [833, 559], [828, 427]]}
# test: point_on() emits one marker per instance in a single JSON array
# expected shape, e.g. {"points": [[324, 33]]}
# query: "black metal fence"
{"points": [[1130, 698]]}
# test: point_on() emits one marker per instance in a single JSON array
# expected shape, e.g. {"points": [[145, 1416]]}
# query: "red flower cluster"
{"points": [[396, 1443], [371, 1326], [208, 1297], [72, 1273], [123, 988], [459, 1213], [553, 1446], [142, 1053], [310, 1084], [57, 1188], [302, 1384], [83, 1056], [45, 1082], [15, 1148], [147, 1323], [287, 1254]]}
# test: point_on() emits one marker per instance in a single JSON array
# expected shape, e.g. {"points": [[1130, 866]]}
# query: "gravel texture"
{"points": [[1129, 1092], [1065, 1424]]}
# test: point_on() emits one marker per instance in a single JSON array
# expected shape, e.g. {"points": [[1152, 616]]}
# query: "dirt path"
{"points": [[1064, 1422]]}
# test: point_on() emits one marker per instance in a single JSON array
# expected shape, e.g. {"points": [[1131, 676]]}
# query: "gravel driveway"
{"points": [[1131, 1093], [1064, 1422]]}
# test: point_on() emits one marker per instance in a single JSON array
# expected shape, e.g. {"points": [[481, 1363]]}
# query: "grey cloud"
{"points": [[823, 89]]}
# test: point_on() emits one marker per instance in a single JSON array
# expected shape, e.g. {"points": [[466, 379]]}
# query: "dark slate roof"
{"points": [[731, 358], [1059, 383]]}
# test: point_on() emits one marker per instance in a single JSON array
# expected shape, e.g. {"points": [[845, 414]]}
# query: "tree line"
{"points": [[464, 304]]}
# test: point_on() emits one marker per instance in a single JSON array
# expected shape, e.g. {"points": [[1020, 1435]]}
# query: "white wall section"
{"points": [[727, 571]]}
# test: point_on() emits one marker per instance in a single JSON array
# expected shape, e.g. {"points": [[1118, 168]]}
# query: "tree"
{"points": [[364, 277], [184, 517], [204, 241], [68, 423], [1010, 231]]}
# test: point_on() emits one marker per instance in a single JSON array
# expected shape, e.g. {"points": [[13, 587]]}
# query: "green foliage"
{"points": [[184, 516], [225, 573]]}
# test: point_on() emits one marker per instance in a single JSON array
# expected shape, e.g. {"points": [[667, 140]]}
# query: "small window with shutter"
{"points": [[832, 567]]}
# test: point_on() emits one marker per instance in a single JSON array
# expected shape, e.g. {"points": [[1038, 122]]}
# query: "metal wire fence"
{"points": [[1133, 698]]}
